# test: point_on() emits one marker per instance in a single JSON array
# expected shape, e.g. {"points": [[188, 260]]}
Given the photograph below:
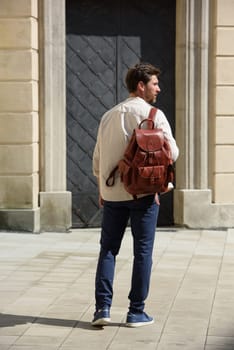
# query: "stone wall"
{"points": [[224, 113], [19, 180]]}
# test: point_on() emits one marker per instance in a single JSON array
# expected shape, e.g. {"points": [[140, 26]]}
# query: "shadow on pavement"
{"points": [[9, 320]]}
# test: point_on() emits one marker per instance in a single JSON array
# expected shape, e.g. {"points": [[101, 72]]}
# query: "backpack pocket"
{"points": [[151, 179], [153, 173]]}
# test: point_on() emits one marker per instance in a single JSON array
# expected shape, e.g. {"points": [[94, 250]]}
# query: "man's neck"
{"points": [[134, 94]]}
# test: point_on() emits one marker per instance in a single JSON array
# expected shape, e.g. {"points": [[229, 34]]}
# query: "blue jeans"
{"points": [[143, 214]]}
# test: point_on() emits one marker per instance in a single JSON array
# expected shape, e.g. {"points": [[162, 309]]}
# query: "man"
{"points": [[114, 132]]}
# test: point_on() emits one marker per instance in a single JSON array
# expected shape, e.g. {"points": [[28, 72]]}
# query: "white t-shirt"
{"points": [[114, 132]]}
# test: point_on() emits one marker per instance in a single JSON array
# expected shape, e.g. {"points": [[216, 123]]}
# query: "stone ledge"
{"points": [[20, 220], [194, 209]]}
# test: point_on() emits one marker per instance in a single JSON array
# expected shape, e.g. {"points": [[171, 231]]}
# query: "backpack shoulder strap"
{"points": [[152, 115]]}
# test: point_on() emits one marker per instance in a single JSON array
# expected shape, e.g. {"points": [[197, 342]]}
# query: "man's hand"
{"points": [[100, 202], [157, 199]]}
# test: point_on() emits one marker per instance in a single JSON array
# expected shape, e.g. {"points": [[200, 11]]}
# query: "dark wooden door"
{"points": [[105, 38]]}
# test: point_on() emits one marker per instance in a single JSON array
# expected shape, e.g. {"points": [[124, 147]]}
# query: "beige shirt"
{"points": [[114, 132]]}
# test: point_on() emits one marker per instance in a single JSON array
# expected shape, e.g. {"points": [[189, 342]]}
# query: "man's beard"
{"points": [[153, 99]]}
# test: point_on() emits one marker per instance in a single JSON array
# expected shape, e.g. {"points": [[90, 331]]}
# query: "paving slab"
{"points": [[47, 292]]}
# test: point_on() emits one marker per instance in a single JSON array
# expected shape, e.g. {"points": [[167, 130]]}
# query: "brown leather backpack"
{"points": [[147, 166]]}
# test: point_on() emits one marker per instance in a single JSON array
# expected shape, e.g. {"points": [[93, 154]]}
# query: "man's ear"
{"points": [[141, 86]]}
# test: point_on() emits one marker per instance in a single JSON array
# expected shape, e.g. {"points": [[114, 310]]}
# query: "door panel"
{"points": [[103, 40]]}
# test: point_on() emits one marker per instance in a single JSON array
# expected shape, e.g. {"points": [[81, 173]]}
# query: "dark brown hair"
{"points": [[140, 72]]}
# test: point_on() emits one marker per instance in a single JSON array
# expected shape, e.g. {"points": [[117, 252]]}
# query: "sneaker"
{"points": [[138, 320], [101, 317]]}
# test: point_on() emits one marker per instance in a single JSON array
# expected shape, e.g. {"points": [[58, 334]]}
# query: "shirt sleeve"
{"points": [[162, 123], [96, 156]]}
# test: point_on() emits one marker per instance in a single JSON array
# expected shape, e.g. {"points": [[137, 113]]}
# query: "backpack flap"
{"points": [[149, 140]]}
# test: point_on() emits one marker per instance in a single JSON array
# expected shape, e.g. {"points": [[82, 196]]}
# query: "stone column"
{"points": [[193, 205], [192, 81], [55, 201]]}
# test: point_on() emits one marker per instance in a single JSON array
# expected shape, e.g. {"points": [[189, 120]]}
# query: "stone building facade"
{"points": [[33, 191], [204, 196]]}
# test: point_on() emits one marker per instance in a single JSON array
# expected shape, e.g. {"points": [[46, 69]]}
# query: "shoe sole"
{"points": [[138, 324], [101, 321]]}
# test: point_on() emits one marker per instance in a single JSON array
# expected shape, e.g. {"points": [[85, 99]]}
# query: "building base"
{"points": [[27, 220], [54, 215], [55, 211], [194, 209]]}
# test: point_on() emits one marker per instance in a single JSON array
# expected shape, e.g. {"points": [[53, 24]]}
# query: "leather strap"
{"points": [[152, 115], [111, 178]]}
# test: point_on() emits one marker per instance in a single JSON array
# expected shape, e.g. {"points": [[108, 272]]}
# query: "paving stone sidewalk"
{"points": [[47, 292]]}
